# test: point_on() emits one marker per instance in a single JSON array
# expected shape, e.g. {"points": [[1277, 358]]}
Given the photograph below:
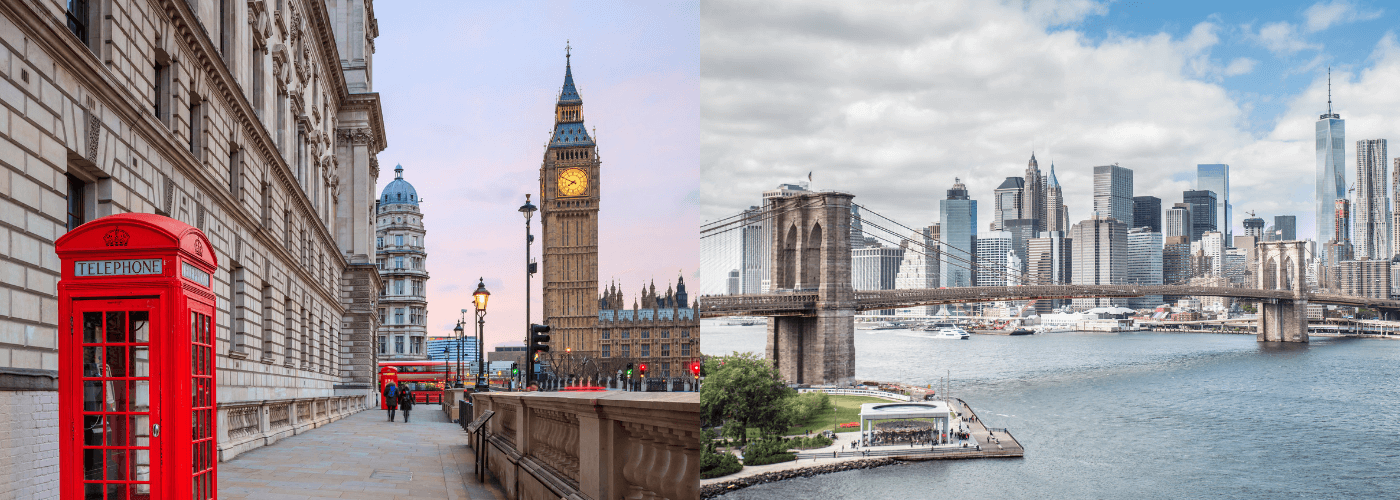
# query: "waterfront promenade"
{"points": [[362, 456], [994, 442]]}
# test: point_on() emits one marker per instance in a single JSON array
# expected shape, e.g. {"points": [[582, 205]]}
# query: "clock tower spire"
{"points": [[569, 223]]}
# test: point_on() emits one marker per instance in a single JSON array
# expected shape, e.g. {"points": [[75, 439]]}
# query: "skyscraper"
{"points": [[1215, 177], [1008, 202], [1100, 255], [875, 268], [1147, 212], [1179, 221], [958, 221], [1056, 214], [1048, 263], [1286, 227], [755, 252], [1253, 226], [857, 231], [1331, 159], [1371, 209], [1144, 264], [992, 250], [1203, 204], [920, 267], [1395, 213], [1113, 193], [1033, 201]]}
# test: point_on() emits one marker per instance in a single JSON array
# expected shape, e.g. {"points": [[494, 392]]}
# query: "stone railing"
{"points": [[597, 445], [246, 425]]}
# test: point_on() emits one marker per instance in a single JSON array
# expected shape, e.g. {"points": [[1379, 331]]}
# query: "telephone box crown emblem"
{"points": [[116, 238]]}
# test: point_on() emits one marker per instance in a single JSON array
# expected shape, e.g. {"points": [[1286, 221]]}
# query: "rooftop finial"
{"points": [[567, 48]]}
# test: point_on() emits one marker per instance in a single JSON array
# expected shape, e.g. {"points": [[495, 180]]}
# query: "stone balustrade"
{"points": [[597, 445], [251, 424]]}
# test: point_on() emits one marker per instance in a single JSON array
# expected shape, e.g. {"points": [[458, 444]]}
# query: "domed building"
{"points": [[403, 303]]}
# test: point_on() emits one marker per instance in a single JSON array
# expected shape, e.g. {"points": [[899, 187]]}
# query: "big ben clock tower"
{"points": [[569, 225]]}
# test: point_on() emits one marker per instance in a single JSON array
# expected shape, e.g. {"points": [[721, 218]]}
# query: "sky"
{"points": [[468, 92], [892, 101]]}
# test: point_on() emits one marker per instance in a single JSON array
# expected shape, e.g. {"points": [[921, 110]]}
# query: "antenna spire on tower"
{"points": [[1329, 91]]}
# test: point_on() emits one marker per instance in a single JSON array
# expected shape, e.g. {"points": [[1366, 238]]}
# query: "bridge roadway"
{"points": [[804, 302]]}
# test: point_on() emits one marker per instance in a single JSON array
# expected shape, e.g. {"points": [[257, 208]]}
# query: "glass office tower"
{"points": [[958, 220], [1215, 177], [1331, 160]]}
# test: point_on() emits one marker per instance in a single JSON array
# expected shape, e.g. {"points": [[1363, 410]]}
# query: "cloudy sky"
{"points": [[890, 101], [469, 89]]}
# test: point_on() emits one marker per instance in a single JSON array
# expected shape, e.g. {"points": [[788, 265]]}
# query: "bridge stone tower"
{"points": [[811, 251], [1282, 266]]}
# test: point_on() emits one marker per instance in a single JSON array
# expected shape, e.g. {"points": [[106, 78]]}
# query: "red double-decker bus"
{"points": [[427, 379]]}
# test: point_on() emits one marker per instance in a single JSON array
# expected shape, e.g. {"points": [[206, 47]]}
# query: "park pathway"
{"points": [[362, 456]]}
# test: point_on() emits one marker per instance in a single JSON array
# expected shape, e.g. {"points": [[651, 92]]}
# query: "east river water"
{"points": [[1135, 415]]}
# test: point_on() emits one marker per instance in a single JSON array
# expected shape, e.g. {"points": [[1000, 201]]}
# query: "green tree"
{"points": [[741, 391]]}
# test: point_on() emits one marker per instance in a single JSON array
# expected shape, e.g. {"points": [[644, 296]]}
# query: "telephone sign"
{"points": [[136, 361]]}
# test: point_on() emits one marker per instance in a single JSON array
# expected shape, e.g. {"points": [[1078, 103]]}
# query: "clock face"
{"points": [[573, 182]]}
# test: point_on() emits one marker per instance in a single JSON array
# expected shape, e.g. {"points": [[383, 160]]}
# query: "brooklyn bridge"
{"points": [[811, 334]]}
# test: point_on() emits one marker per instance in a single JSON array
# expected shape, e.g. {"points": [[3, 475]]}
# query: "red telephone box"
{"points": [[136, 361]]}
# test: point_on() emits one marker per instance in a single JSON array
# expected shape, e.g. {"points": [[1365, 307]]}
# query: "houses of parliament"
{"points": [[660, 330]]}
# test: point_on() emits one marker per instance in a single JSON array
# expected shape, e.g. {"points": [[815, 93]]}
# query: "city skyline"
{"points": [[982, 110]]}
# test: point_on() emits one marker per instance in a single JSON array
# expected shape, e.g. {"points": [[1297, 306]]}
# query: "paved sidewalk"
{"points": [[362, 456]]}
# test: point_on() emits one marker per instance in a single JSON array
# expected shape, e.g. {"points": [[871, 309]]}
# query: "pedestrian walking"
{"points": [[391, 399], [406, 402]]}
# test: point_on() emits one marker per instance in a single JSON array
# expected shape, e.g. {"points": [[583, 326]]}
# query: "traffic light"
{"points": [[514, 369], [539, 340], [643, 368], [695, 368], [629, 370]]}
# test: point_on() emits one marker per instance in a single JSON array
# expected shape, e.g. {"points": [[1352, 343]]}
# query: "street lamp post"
{"points": [[479, 299], [457, 377], [528, 211]]}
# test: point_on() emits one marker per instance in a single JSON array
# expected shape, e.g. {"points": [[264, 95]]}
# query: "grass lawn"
{"points": [[847, 410]]}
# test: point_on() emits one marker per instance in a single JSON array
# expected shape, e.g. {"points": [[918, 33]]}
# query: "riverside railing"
{"points": [[598, 445]]}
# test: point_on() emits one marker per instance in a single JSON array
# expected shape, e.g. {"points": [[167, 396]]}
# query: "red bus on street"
{"points": [[427, 379]]}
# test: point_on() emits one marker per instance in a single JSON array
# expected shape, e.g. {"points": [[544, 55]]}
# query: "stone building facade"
{"points": [[662, 331], [401, 242], [254, 121]]}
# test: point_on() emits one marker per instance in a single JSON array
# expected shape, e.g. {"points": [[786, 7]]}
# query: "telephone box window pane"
{"points": [[140, 395], [140, 361], [140, 326], [92, 327], [92, 362], [92, 464], [116, 469], [116, 362], [116, 326], [92, 491]]}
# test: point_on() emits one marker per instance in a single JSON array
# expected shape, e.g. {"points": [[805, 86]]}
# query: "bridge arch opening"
{"points": [[1288, 272], [1270, 276], [788, 267], [812, 258]]}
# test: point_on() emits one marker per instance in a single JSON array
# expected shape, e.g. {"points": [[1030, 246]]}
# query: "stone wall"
{"points": [[597, 445]]}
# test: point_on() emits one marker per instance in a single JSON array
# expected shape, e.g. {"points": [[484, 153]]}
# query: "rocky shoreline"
{"points": [[717, 489]]}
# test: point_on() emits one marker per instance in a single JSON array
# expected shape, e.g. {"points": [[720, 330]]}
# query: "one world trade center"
{"points": [[1331, 161]]}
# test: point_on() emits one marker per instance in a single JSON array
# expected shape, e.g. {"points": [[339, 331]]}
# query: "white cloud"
{"points": [[967, 88], [1240, 66], [1321, 16], [1281, 38]]}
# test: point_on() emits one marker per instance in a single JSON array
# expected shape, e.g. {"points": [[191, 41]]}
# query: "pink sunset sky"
{"points": [[468, 90]]}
